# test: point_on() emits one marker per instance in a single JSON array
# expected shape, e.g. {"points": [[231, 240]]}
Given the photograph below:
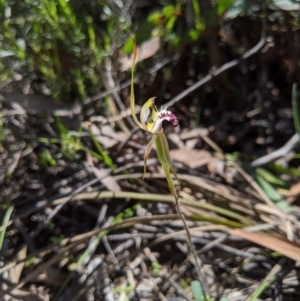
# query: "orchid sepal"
{"points": [[151, 121], [148, 150], [145, 112]]}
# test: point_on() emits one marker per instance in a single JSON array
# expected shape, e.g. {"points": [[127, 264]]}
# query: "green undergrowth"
{"points": [[58, 44], [61, 47]]}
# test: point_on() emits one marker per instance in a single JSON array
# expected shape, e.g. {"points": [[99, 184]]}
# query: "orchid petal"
{"points": [[145, 112], [148, 150]]}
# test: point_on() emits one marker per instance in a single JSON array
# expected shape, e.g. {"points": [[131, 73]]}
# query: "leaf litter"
{"points": [[246, 230]]}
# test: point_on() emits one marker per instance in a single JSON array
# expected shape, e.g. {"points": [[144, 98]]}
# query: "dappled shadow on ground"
{"points": [[88, 228]]}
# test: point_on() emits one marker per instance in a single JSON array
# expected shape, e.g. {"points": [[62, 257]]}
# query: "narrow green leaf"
{"points": [[270, 177], [5, 224], [197, 291], [272, 194], [105, 157], [262, 287], [291, 171]]}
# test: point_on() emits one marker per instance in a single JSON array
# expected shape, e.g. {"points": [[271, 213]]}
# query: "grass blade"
{"points": [[5, 224]]}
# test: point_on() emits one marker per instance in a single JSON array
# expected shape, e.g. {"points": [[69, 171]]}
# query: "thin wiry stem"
{"points": [[162, 148], [191, 247], [164, 158], [132, 97]]}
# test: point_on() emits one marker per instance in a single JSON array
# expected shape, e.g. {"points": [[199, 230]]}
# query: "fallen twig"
{"points": [[222, 69], [281, 152]]}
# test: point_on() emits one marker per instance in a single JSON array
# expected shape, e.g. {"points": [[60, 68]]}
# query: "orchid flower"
{"points": [[151, 121]]}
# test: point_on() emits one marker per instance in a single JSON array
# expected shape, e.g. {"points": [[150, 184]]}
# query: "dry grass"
{"points": [[78, 222]]}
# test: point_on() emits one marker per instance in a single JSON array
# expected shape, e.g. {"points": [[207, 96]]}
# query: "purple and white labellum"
{"points": [[162, 115]]}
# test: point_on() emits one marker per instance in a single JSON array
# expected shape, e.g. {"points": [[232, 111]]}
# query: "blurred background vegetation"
{"points": [[64, 68]]}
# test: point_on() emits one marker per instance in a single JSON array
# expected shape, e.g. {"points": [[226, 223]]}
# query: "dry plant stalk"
{"points": [[151, 121]]}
